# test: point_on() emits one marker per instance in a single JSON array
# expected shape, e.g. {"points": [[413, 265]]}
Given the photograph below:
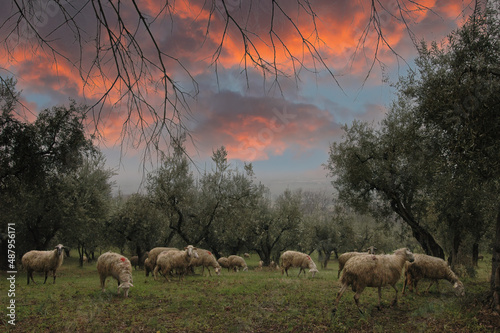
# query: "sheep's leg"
{"points": [[379, 298], [30, 276], [103, 282], [54, 277], [339, 295], [407, 281], [356, 299], [429, 287], [300, 271], [395, 301], [155, 272], [46, 274]]}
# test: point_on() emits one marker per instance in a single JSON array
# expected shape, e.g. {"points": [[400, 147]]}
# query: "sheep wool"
{"points": [[148, 268], [236, 262], [117, 266], [43, 261], [153, 254], [224, 262], [433, 268], [206, 259], [169, 260], [297, 259], [374, 271]]}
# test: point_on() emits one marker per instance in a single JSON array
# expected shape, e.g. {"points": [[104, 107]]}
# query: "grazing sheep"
{"points": [[169, 260], [236, 262], [433, 268], [117, 266], [43, 261], [148, 268], [246, 255], [224, 262], [373, 271], [348, 255], [153, 254], [206, 259], [297, 259], [134, 261]]}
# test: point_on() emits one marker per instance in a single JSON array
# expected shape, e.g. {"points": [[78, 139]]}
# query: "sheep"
{"points": [[373, 271], [117, 266], [180, 260], [148, 268], [134, 261], [43, 261], [224, 262], [297, 259], [206, 259], [237, 261], [348, 255], [246, 255], [433, 268], [153, 254]]}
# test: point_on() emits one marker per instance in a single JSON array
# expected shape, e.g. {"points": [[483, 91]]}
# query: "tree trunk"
{"points": [[428, 243], [475, 254]]}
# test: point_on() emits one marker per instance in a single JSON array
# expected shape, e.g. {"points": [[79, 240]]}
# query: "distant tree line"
{"points": [[56, 189]]}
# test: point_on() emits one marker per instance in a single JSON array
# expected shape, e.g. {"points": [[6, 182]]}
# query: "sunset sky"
{"points": [[284, 130]]}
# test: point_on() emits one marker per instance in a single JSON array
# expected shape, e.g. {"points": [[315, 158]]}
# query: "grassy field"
{"points": [[253, 301]]}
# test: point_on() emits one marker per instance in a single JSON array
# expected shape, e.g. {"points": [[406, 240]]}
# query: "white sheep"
{"points": [[348, 255], [169, 260], [433, 268], [153, 254], [43, 261], [373, 271], [297, 259], [117, 266], [224, 262], [236, 262], [206, 259]]}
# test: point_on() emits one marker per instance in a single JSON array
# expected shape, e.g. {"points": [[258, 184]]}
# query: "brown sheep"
{"points": [[373, 271]]}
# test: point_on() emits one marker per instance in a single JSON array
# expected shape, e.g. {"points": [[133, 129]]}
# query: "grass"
{"points": [[253, 301]]}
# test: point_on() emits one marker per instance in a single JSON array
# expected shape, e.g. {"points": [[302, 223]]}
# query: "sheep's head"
{"points": [[59, 248], [191, 251], [125, 286], [371, 250], [406, 253], [459, 288], [217, 270], [313, 271]]}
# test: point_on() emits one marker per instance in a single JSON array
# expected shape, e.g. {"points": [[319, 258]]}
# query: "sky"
{"points": [[283, 126]]}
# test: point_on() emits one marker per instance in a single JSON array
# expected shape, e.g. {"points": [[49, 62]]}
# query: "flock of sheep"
{"points": [[360, 269]]}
